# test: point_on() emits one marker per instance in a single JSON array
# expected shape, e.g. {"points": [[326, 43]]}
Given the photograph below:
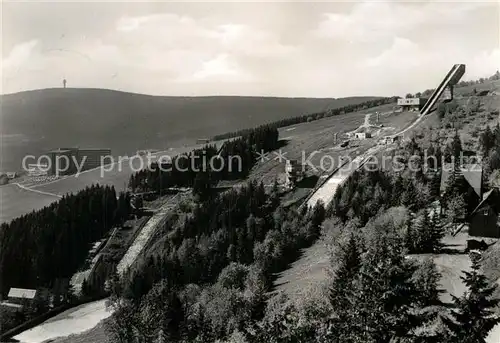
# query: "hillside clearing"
{"points": [[126, 122]]}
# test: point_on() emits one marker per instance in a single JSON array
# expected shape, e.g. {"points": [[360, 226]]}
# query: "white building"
{"points": [[363, 135], [19, 297], [410, 104], [293, 173], [37, 169]]}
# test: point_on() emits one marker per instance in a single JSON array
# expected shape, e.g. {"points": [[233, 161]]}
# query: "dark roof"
{"points": [[489, 195], [473, 174], [59, 151], [93, 149]]}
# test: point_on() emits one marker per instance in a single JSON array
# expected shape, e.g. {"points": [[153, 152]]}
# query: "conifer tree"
{"points": [[456, 146], [474, 316], [426, 234], [382, 306], [437, 232], [345, 275], [435, 184], [397, 190], [456, 210], [431, 161], [496, 135], [421, 235], [455, 185], [385, 298], [426, 279], [487, 141]]}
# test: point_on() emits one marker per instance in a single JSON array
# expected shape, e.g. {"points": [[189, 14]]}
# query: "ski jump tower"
{"points": [[445, 88]]}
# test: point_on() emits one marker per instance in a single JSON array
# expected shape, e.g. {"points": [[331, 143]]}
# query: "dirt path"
{"points": [[367, 120], [36, 190]]}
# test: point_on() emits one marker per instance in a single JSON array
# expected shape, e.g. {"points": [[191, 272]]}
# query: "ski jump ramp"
{"points": [[446, 85]]}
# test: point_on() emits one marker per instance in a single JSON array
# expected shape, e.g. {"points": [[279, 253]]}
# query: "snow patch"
{"points": [[73, 321]]}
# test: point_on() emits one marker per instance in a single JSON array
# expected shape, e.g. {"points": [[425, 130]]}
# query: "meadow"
{"points": [[15, 201], [42, 120]]}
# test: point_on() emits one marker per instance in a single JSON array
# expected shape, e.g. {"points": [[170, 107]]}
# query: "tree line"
{"points": [[210, 284], [52, 243], [377, 294], [204, 167], [489, 142], [463, 83], [215, 270], [313, 116], [377, 291], [209, 287]]}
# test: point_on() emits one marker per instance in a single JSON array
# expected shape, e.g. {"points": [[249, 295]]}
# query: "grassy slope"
{"points": [[36, 121], [40, 120], [311, 269], [487, 85], [15, 202], [308, 274]]}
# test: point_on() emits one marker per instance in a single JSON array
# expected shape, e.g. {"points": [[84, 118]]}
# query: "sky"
{"points": [[291, 49]]}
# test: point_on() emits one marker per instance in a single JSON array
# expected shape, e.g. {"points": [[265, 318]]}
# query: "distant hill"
{"points": [[36, 121]]}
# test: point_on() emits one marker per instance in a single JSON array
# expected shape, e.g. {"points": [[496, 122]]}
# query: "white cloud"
{"points": [[250, 41], [130, 23], [377, 20], [370, 48], [402, 53], [194, 50], [484, 63], [220, 69], [19, 55]]}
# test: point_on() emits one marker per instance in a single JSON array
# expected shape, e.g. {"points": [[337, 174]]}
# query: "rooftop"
{"points": [[492, 195], [22, 293], [8, 304], [93, 149], [472, 173], [59, 150]]}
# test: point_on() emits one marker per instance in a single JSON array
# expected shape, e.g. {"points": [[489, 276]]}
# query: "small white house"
{"points": [[39, 169], [22, 293], [18, 297], [363, 135], [410, 104]]}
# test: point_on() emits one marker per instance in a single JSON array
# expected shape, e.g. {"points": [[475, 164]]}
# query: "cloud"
{"points": [[250, 41], [330, 49], [194, 50], [403, 52], [130, 23], [19, 55], [368, 21], [220, 68], [484, 63]]}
